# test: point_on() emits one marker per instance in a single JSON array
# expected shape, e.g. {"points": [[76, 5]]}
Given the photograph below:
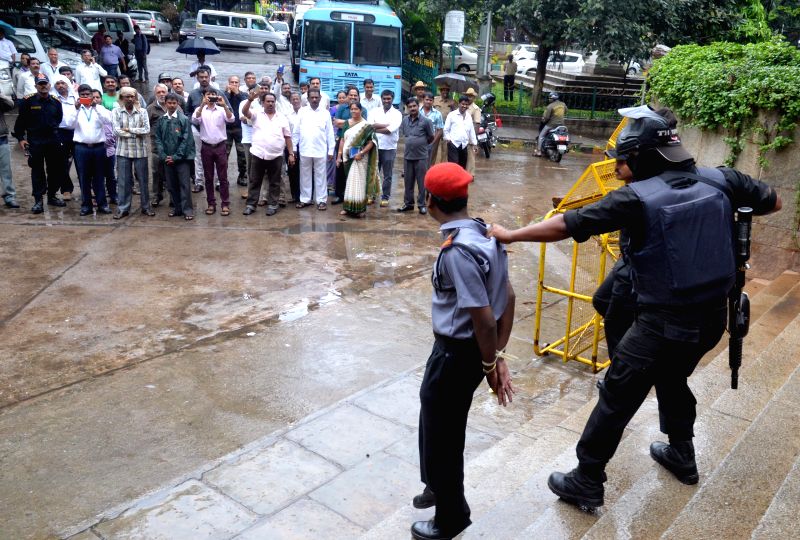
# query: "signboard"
{"points": [[454, 26]]}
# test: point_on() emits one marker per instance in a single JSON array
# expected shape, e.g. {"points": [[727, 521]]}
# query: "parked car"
{"points": [[563, 62], [152, 24], [239, 29], [282, 28], [114, 22], [6, 79], [188, 30], [62, 40], [26, 40], [524, 52], [466, 58]]}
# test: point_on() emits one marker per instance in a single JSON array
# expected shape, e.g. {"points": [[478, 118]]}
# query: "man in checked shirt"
{"points": [[132, 128]]}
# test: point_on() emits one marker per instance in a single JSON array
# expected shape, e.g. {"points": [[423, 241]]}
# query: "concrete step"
{"points": [[744, 486], [782, 520], [629, 467]]}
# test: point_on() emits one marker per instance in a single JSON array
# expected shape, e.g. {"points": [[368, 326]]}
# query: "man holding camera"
{"points": [[211, 117], [90, 150]]}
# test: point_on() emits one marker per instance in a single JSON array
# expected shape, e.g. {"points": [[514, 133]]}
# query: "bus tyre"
{"points": [[269, 47]]}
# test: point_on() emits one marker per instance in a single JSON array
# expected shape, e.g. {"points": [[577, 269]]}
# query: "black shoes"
{"points": [[120, 214], [426, 499], [406, 208], [37, 208], [85, 211], [248, 210], [427, 530], [242, 181], [423, 210], [148, 212], [12, 204], [271, 210], [337, 200], [578, 488], [55, 201], [104, 210], [677, 458]]}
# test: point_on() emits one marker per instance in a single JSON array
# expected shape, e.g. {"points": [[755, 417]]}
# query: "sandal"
{"points": [[188, 218], [262, 202], [302, 204], [211, 210], [226, 211], [173, 214], [322, 206]]}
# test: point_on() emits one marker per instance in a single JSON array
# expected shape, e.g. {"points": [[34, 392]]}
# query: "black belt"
{"points": [[213, 145], [91, 145]]}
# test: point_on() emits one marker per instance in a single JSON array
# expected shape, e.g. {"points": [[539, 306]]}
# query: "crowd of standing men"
{"points": [[293, 145]]}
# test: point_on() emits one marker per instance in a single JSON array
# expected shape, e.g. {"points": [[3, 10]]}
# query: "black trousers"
{"points": [[457, 155], [660, 349], [66, 136], [452, 374], [615, 301], [508, 87], [294, 173], [341, 182], [50, 155], [272, 168], [179, 186]]}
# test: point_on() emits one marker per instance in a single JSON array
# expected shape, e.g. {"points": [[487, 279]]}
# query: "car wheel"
{"points": [[269, 47], [158, 37], [531, 72], [631, 71], [463, 68]]}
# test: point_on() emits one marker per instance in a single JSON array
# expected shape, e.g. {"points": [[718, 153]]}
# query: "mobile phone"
{"points": [[87, 101], [213, 99]]}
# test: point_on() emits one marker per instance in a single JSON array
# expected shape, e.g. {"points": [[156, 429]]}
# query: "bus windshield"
{"points": [[326, 41], [376, 45]]}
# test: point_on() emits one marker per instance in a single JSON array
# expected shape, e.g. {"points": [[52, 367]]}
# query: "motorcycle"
{"points": [[556, 143], [486, 137]]}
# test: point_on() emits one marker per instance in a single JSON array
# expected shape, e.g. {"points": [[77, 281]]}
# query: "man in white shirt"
{"points": [[178, 88], [26, 84], [271, 138], [7, 50], [62, 91], [201, 61], [313, 133], [90, 72], [369, 100], [293, 171], [386, 121], [90, 150], [284, 99], [50, 68], [315, 84], [247, 135], [279, 81], [459, 133], [250, 82]]}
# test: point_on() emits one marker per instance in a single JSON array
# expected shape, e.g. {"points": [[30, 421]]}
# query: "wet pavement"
{"points": [[140, 353]]}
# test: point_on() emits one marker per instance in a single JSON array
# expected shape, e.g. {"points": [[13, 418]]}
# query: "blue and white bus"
{"points": [[344, 43]]}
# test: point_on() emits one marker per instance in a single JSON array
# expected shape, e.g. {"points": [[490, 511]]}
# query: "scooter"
{"points": [[556, 143], [486, 137]]}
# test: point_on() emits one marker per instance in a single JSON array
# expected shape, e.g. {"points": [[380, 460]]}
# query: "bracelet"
{"points": [[487, 372], [489, 364]]}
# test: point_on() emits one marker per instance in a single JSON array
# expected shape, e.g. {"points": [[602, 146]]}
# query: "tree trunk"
{"points": [[542, 54]]}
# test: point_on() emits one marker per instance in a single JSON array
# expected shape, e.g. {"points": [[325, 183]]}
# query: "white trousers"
{"points": [[313, 173], [199, 177]]}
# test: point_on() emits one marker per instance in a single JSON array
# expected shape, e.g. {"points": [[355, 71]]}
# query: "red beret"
{"points": [[448, 181]]}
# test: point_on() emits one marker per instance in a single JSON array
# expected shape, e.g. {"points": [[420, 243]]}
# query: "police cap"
{"points": [[648, 129], [41, 78], [448, 181]]}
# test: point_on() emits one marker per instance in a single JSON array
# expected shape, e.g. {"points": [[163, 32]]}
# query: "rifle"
{"points": [[738, 301]]}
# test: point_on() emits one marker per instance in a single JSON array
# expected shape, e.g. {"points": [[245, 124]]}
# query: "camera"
{"points": [[213, 99]]}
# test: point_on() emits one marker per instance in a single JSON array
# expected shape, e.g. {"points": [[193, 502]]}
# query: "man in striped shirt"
{"points": [[132, 128]]}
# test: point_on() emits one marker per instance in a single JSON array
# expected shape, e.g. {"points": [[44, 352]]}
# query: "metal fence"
{"points": [[595, 104]]}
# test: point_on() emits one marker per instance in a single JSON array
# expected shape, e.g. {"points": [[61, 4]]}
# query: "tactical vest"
{"points": [[687, 254]]}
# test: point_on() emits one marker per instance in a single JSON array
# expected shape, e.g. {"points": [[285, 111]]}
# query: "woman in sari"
{"points": [[358, 154]]}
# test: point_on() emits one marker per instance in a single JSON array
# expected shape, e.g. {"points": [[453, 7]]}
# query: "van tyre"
{"points": [[270, 48]]}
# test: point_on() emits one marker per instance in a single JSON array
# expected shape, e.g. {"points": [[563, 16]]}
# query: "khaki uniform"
{"points": [[475, 112]]}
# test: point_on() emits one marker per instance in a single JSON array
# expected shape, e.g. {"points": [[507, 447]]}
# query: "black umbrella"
{"points": [[198, 45], [456, 81]]}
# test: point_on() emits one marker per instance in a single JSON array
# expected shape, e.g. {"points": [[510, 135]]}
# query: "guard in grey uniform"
{"points": [[472, 313]]}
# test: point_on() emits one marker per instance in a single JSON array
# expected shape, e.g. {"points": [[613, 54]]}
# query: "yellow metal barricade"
{"points": [[590, 262]]}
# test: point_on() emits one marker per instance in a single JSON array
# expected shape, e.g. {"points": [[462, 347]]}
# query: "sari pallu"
{"points": [[362, 176]]}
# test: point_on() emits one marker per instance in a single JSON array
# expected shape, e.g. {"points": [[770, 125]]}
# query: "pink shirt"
{"points": [[269, 135], [212, 124]]}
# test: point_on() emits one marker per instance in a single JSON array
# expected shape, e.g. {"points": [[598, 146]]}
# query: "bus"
{"points": [[345, 42]]}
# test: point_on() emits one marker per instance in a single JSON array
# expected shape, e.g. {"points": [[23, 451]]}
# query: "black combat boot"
{"points": [[426, 499], [678, 458], [578, 487], [38, 207]]}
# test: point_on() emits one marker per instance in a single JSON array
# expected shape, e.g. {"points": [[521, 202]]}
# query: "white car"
{"points": [[466, 58], [563, 62], [6, 79], [152, 24], [524, 52], [281, 28]]}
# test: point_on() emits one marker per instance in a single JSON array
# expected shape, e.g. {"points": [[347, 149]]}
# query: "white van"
{"points": [[239, 29]]}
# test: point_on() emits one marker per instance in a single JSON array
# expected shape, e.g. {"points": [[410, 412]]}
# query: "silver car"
{"points": [[152, 24]]}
